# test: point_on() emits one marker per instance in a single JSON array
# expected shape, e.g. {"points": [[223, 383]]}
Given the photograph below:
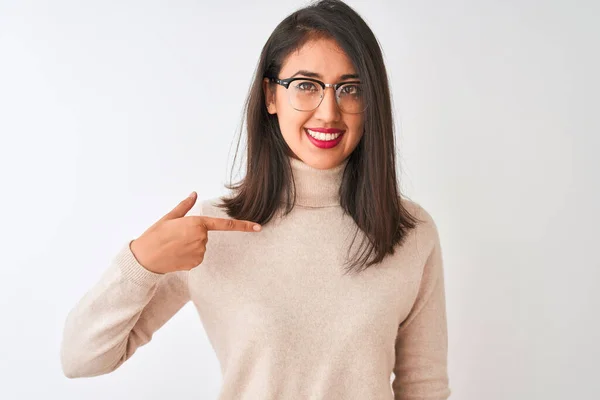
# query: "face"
{"points": [[326, 59]]}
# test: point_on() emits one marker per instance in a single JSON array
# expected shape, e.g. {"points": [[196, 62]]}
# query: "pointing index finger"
{"points": [[227, 224]]}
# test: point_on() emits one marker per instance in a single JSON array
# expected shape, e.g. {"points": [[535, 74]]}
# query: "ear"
{"points": [[269, 96]]}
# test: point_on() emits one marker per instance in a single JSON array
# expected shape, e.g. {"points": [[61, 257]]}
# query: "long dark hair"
{"points": [[369, 191]]}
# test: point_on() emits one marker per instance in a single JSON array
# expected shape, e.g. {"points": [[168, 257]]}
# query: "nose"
{"points": [[328, 110]]}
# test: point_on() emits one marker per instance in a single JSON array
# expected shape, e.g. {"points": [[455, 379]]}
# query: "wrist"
{"points": [[141, 256]]}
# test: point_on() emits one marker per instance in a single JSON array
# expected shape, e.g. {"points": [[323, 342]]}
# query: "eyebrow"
{"points": [[319, 76]]}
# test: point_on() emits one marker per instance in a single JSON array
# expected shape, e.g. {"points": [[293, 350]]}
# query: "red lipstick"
{"points": [[325, 144], [326, 130]]}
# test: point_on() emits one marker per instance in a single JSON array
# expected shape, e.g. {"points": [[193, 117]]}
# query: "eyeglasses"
{"points": [[306, 94]]}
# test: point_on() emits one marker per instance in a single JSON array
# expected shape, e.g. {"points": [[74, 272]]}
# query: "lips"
{"points": [[325, 144], [327, 130]]}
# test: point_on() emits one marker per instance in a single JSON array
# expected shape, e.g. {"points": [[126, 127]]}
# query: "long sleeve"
{"points": [[422, 342], [118, 315]]}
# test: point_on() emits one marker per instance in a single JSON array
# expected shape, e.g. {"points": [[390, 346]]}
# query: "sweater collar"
{"points": [[317, 187]]}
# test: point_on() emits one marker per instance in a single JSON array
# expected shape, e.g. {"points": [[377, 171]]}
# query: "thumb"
{"points": [[182, 208]]}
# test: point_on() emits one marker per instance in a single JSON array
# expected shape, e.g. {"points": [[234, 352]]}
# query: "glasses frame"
{"points": [[286, 84]]}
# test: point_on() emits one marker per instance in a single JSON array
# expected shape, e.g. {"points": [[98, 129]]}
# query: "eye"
{"points": [[306, 86], [351, 89]]}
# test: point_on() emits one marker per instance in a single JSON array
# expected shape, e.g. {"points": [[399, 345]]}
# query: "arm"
{"points": [[119, 314], [422, 342]]}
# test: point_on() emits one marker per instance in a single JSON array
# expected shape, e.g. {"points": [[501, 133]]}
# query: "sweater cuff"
{"points": [[133, 270]]}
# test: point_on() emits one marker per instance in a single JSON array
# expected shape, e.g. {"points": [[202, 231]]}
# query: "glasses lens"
{"points": [[305, 95], [351, 98]]}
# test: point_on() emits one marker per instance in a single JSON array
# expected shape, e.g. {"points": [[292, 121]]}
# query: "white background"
{"points": [[112, 112]]}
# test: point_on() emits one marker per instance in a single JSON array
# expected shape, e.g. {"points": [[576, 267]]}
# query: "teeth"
{"points": [[323, 136]]}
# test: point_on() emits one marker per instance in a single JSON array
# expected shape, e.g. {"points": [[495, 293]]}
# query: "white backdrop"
{"points": [[112, 112]]}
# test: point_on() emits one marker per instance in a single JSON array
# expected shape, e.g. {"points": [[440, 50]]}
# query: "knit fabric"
{"points": [[282, 318]]}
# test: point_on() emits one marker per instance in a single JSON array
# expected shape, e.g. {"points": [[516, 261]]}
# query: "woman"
{"points": [[294, 309]]}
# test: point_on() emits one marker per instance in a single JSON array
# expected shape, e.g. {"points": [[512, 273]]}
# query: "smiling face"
{"points": [[324, 60]]}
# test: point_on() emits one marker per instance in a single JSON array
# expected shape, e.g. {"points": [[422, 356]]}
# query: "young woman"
{"points": [[298, 308]]}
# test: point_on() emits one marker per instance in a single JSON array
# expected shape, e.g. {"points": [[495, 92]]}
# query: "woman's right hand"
{"points": [[178, 242]]}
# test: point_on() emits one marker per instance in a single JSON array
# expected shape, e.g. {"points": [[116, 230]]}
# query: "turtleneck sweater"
{"points": [[284, 320]]}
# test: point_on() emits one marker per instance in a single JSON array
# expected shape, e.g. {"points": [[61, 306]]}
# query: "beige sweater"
{"points": [[284, 321]]}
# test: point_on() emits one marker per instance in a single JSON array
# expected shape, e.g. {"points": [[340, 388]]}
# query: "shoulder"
{"points": [[425, 233], [419, 212]]}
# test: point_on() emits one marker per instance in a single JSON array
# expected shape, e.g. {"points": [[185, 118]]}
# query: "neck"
{"points": [[317, 187]]}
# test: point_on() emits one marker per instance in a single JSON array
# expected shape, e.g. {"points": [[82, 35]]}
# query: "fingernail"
{"points": [[191, 194], [256, 227]]}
